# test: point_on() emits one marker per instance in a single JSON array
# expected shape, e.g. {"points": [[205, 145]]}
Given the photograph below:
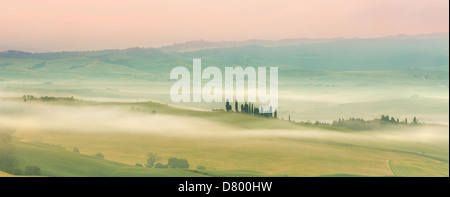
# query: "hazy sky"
{"points": [[52, 25]]}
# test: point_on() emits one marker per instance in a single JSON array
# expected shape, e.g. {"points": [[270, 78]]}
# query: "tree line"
{"points": [[361, 124], [46, 98]]}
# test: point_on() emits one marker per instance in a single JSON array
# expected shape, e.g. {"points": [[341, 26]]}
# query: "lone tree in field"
{"points": [[152, 158]]}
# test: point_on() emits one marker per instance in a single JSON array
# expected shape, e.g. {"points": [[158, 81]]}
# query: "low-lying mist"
{"points": [[23, 118], [29, 116]]}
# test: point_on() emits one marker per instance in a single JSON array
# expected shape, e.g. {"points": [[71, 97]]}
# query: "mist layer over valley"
{"points": [[323, 80], [124, 132]]}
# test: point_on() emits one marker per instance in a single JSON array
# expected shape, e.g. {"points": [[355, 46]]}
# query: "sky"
{"points": [[70, 25]]}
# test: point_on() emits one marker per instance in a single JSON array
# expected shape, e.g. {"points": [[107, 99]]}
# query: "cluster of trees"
{"points": [[361, 124], [249, 108], [392, 120], [177, 163], [153, 158], [27, 97], [352, 123], [8, 162], [314, 123]]}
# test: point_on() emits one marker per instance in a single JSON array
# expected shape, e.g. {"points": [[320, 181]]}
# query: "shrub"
{"points": [[99, 155], [201, 168], [160, 165]]}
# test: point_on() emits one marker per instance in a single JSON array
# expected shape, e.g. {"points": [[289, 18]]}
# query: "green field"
{"points": [[56, 162]]}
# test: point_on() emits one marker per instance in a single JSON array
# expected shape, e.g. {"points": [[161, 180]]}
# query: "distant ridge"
{"points": [[198, 45], [201, 44]]}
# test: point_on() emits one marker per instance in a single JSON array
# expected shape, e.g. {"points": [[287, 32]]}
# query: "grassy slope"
{"points": [[4, 174], [58, 162], [246, 156]]}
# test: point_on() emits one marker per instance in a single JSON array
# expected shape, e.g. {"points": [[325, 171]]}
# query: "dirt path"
{"points": [[388, 162]]}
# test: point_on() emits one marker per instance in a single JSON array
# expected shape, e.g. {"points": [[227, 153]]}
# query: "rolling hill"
{"points": [[58, 162], [226, 144]]}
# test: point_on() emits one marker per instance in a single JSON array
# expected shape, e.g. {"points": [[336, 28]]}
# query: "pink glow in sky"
{"points": [[53, 25]]}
